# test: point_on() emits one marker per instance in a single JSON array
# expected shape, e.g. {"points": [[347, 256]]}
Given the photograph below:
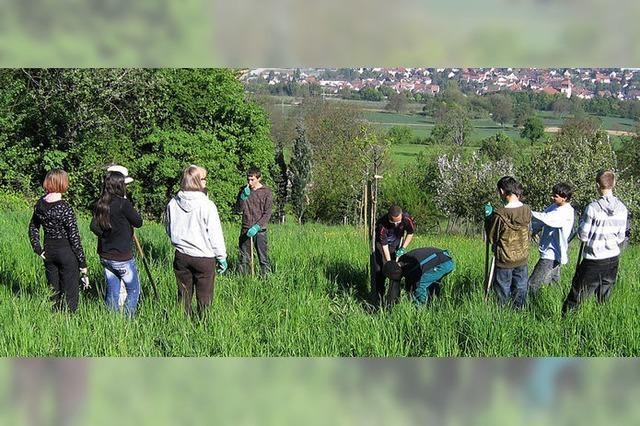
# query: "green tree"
{"points": [[581, 125], [281, 179], [561, 106], [571, 157], [400, 135], [501, 109], [454, 126], [465, 185], [451, 95], [341, 149], [387, 91], [533, 129], [521, 112], [629, 156], [371, 94], [497, 147], [398, 103], [413, 186], [85, 119], [300, 172]]}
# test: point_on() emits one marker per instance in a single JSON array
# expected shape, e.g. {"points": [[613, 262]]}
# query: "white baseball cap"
{"points": [[123, 170]]}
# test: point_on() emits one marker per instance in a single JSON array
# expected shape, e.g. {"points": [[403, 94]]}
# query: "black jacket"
{"points": [[418, 261], [59, 223], [115, 243]]}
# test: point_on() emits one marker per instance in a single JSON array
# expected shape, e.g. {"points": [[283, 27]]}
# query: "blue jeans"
{"points": [[114, 272], [511, 284]]}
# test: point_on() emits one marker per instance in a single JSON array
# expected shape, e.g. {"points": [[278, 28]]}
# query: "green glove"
{"points": [[253, 230], [400, 252], [488, 210], [222, 266], [245, 193]]}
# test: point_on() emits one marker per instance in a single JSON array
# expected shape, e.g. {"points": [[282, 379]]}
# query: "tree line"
{"points": [[318, 156], [154, 121]]}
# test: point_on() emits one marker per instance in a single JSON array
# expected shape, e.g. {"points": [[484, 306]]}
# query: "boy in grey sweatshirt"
{"points": [[602, 229]]}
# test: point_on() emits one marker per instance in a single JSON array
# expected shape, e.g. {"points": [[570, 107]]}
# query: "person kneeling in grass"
{"points": [[422, 269]]}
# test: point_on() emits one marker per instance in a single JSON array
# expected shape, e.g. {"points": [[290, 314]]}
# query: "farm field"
{"points": [[422, 126], [316, 303]]}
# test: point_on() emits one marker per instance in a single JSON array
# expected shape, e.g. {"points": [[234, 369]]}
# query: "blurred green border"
{"points": [[198, 33]]}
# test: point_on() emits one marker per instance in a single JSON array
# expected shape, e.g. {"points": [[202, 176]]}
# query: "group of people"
{"points": [[192, 224], [602, 230]]}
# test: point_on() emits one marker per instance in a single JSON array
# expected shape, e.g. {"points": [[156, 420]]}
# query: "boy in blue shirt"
{"points": [[554, 225]]}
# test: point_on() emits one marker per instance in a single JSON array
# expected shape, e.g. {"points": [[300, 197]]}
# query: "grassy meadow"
{"points": [[315, 303]]}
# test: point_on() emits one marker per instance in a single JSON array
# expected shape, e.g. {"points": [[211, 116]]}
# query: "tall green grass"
{"points": [[315, 303]]}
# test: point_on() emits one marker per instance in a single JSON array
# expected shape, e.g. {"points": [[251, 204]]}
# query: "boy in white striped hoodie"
{"points": [[602, 229]]}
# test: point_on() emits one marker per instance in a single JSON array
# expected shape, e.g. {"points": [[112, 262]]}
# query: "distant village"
{"points": [[584, 83]]}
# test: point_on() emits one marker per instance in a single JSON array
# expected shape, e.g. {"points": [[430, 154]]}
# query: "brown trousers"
{"points": [[198, 272]]}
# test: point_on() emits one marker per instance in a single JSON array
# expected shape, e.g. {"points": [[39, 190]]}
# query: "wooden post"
{"points": [[251, 257]]}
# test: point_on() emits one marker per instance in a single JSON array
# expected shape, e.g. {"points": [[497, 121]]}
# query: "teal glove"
{"points": [[488, 210], [222, 266], [400, 252], [253, 230], [245, 193]]}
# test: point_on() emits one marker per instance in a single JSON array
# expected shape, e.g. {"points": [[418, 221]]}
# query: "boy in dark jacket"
{"points": [[254, 201], [393, 234], [508, 232], [422, 269]]}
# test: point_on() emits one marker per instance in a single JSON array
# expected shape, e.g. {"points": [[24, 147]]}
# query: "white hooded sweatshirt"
{"points": [[603, 227], [194, 226]]}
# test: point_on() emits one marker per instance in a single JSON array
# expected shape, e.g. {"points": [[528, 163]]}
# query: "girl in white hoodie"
{"points": [[194, 227]]}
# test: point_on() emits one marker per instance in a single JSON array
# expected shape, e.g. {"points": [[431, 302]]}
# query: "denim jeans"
{"points": [[125, 271], [511, 285], [435, 274]]}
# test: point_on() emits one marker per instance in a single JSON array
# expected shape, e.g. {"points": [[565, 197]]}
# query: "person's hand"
{"points": [[43, 256], [253, 230], [400, 252], [244, 195], [222, 266], [488, 210], [84, 279]]}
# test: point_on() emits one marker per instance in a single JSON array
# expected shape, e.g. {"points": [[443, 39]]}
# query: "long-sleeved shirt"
{"points": [[508, 232], [555, 225], [602, 228], [194, 226], [59, 223], [255, 209], [115, 243], [389, 234]]}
